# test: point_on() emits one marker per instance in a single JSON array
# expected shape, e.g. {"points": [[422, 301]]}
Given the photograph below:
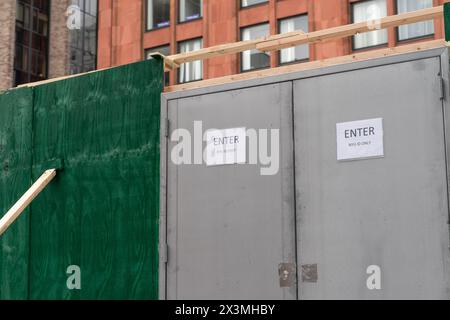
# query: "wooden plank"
{"points": [[361, 56], [214, 51], [38, 83], [169, 64], [279, 41], [227, 48], [26, 199], [223, 49], [351, 29]]}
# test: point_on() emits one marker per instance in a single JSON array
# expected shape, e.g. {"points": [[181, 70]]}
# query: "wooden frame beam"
{"points": [[169, 64], [286, 40], [214, 51], [351, 29], [360, 56], [26, 199]]}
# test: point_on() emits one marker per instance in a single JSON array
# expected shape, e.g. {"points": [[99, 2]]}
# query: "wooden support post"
{"points": [[169, 64], [26, 199]]}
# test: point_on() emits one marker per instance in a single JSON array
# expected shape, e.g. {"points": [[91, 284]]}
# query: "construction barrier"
{"points": [[95, 227]]}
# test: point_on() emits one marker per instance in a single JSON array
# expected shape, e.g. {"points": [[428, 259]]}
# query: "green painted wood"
{"points": [[15, 179], [101, 211], [447, 20]]}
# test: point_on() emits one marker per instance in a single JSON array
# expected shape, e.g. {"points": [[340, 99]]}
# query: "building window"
{"points": [[158, 14], [414, 30], [164, 50], [366, 11], [190, 10], [248, 3], [254, 59], [190, 71], [300, 52], [83, 41], [31, 45]]}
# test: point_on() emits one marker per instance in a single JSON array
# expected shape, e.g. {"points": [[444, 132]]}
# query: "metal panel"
{"points": [[229, 228], [290, 76], [398, 216], [390, 212]]}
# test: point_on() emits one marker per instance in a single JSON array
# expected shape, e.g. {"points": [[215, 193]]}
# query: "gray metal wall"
{"points": [[229, 233]]}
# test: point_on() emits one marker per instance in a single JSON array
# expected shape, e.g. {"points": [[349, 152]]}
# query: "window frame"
{"points": [[241, 7], [84, 13], [242, 52], [187, 20], [201, 61], [29, 48], [146, 19], [397, 29], [279, 32], [352, 19]]}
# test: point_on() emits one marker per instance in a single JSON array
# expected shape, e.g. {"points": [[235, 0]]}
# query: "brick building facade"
{"points": [[125, 33], [129, 29]]}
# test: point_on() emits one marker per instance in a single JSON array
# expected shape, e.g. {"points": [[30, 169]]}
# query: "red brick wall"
{"points": [[120, 32], [122, 38]]}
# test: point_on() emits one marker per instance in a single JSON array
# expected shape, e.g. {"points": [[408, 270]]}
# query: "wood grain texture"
{"points": [[101, 212], [361, 56], [26, 199], [15, 177], [286, 40]]}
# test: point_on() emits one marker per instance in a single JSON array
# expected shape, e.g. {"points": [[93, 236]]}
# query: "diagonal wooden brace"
{"points": [[26, 199]]}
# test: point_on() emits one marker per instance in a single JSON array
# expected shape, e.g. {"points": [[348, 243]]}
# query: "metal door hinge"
{"points": [[167, 127], [164, 252], [443, 88]]}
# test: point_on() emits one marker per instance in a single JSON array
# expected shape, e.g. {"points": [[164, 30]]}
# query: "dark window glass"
{"points": [[83, 41], [190, 9], [158, 14], [31, 56], [164, 50]]}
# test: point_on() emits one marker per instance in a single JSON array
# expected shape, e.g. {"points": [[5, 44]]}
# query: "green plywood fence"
{"points": [[101, 212], [447, 20], [15, 177]]}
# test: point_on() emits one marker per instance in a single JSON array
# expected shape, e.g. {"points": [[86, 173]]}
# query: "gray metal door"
{"points": [[229, 227], [389, 213]]}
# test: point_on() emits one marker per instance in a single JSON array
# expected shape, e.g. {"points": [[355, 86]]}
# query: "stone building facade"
{"points": [[7, 21], [65, 49]]}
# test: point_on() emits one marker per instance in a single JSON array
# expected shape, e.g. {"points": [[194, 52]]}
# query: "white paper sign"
{"points": [[360, 139], [226, 146]]}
